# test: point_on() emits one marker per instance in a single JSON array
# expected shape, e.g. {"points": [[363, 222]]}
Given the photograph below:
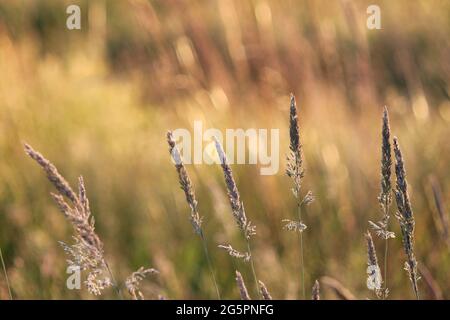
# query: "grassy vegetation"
{"points": [[99, 102]]}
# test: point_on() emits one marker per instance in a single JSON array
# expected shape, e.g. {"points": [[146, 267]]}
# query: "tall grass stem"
{"points": [[210, 266], [6, 275]]}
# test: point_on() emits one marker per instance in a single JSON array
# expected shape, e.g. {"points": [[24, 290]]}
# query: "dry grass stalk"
{"points": [[381, 228], [405, 217], [374, 280], [385, 198], [341, 291], [53, 175], [295, 171], [133, 281], [264, 292], [242, 288], [186, 186], [87, 251], [316, 291], [237, 206]]}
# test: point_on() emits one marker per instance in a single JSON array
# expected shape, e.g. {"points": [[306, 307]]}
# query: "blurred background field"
{"points": [[98, 102]]}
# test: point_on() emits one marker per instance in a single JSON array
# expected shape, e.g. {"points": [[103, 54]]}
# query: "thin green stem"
{"points": [[210, 266], [386, 214], [415, 289], [114, 283], [385, 266], [253, 268], [6, 275], [302, 266]]}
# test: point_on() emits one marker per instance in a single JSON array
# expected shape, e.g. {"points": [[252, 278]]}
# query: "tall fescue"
{"points": [[381, 228], [405, 217], [186, 186], [86, 253], [237, 207], [295, 171], [6, 275]]}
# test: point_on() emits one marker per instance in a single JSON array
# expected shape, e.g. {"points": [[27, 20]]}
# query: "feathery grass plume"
{"points": [[341, 291], [133, 281], [264, 292], [316, 291], [6, 275], [237, 206], [242, 288], [87, 251], [374, 280], [385, 198], [405, 217], [295, 171], [440, 206], [294, 167], [53, 175], [186, 186], [236, 254]]}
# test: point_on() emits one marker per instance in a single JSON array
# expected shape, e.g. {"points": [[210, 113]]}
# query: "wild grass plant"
{"points": [[86, 253]]}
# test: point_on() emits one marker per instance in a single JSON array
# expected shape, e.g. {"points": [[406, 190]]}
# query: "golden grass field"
{"points": [[98, 102]]}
